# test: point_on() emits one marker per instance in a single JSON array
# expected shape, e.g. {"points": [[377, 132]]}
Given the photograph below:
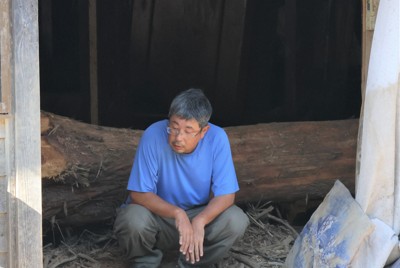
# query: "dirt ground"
{"points": [[266, 243]]}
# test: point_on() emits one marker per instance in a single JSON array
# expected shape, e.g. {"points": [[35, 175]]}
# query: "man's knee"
{"points": [[231, 223], [238, 220], [135, 228], [133, 219]]}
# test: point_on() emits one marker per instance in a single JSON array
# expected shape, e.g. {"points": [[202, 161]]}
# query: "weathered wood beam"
{"points": [[85, 167], [292, 161], [94, 100]]}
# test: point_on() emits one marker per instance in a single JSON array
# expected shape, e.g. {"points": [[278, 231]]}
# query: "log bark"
{"points": [[85, 168]]}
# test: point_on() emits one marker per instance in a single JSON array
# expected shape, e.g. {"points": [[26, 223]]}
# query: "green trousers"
{"points": [[144, 236]]}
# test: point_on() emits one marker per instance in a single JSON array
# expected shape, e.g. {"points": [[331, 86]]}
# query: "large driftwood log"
{"points": [[85, 167]]}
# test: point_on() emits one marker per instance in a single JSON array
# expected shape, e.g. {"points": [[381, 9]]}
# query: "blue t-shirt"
{"points": [[184, 180]]}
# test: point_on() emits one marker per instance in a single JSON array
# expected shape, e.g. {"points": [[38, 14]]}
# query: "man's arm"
{"points": [[155, 204], [215, 207], [162, 208]]}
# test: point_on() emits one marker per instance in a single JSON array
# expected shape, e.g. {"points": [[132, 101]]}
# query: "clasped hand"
{"points": [[191, 237]]}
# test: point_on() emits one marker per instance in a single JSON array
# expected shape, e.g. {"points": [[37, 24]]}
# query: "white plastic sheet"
{"points": [[378, 165]]}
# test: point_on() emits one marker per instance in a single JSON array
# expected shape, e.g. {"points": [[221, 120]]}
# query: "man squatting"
{"points": [[181, 190]]}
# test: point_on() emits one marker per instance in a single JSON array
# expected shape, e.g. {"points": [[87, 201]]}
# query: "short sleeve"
{"points": [[224, 180], [143, 177]]}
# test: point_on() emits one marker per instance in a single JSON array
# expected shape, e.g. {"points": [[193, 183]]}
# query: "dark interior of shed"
{"points": [[258, 61]]}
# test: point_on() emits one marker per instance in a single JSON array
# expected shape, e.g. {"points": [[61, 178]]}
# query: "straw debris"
{"points": [[266, 243]]}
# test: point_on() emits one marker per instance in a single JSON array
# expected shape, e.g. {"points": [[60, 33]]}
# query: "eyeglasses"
{"points": [[176, 132]]}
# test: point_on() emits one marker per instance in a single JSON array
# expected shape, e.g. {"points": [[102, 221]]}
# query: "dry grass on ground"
{"points": [[266, 243]]}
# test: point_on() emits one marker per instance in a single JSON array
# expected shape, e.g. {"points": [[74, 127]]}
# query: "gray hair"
{"points": [[192, 104]]}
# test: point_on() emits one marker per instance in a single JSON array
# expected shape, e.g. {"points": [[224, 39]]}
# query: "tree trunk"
{"points": [[85, 168]]}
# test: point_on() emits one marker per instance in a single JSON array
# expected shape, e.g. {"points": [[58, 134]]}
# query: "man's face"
{"points": [[185, 134]]}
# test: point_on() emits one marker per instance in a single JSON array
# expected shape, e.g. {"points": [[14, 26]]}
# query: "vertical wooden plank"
{"points": [[3, 258], [3, 194], [115, 93], [94, 95], [5, 57], [5, 108], [343, 95], [290, 62], [263, 62], [46, 28], [370, 14], [2, 128], [84, 60], [3, 168], [184, 47], [11, 193], [25, 201], [139, 45], [139, 53], [115, 101], [228, 95], [370, 9], [3, 234], [3, 199], [328, 60]]}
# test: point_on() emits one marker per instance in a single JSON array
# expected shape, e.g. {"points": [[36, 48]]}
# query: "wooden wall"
{"points": [[3, 198], [5, 101], [258, 61], [20, 160]]}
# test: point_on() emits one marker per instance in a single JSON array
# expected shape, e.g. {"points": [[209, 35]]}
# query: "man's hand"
{"points": [[198, 239], [185, 230], [191, 234], [191, 238], [214, 208]]}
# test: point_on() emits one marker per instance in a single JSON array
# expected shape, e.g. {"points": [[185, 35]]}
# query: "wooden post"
{"points": [[46, 28], [5, 93], [228, 90], [370, 10], [140, 41], [290, 62], [5, 58], [94, 101], [21, 133], [3, 196]]}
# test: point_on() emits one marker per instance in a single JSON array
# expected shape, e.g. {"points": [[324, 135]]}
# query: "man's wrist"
{"points": [[178, 212], [199, 220]]}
